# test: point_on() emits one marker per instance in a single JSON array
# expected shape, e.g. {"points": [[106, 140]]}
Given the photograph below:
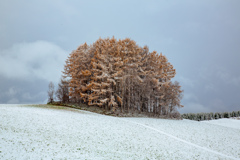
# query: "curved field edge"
{"points": [[103, 111]]}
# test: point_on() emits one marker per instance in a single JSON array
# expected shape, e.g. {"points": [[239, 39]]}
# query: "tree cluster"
{"points": [[210, 116], [61, 94], [120, 76]]}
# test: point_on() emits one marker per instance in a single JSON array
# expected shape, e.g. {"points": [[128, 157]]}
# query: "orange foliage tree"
{"points": [[121, 76]]}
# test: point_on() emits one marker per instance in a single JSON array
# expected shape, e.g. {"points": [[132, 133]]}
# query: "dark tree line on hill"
{"points": [[120, 76], [210, 116]]}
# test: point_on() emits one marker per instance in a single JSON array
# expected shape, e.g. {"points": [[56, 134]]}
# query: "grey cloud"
{"points": [[216, 88], [192, 107], [23, 91], [13, 101], [200, 38], [11, 91]]}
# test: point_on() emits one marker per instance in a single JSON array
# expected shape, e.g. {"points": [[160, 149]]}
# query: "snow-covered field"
{"points": [[41, 133]]}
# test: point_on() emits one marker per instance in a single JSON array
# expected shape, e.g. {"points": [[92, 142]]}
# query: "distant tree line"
{"points": [[210, 116], [120, 76]]}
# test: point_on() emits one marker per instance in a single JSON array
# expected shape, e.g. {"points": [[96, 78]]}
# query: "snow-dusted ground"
{"points": [[40, 133], [226, 122]]}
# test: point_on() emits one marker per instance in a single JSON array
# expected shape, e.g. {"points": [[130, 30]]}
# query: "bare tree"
{"points": [[62, 92], [51, 92]]}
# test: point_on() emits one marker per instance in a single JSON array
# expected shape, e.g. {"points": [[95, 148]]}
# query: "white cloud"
{"points": [[29, 61]]}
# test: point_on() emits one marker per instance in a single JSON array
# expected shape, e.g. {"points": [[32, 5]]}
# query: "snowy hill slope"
{"points": [[39, 133], [226, 122]]}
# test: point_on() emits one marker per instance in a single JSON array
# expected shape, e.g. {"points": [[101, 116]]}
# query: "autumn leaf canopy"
{"points": [[119, 75]]}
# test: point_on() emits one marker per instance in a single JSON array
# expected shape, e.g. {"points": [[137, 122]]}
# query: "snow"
{"points": [[40, 133], [226, 122]]}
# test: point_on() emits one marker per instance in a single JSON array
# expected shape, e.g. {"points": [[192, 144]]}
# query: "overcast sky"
{"points": [[200, 38]]}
